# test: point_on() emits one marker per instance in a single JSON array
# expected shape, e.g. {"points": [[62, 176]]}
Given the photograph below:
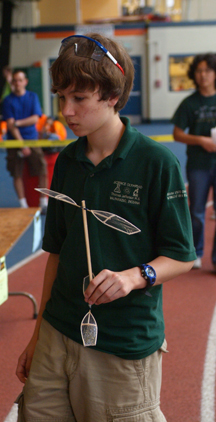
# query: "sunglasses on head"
{"points": [[92, 49]]}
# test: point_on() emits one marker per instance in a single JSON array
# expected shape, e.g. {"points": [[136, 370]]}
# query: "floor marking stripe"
{"points": [[25, 261], [208, 382], [12, 415]]}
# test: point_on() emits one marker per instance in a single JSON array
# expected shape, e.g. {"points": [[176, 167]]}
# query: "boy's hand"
{"points": [[21, 372], [207, 143], [26, 151], [108, 285], [24, 362]]}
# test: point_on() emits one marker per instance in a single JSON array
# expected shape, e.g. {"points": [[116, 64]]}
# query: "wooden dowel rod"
{"points": [[85, 223]]}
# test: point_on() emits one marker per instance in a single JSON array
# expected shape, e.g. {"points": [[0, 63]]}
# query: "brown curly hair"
{"points": [[87, 74]]}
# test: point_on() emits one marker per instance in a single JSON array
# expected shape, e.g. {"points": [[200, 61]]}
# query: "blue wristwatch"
{"points": [[149, 274]]}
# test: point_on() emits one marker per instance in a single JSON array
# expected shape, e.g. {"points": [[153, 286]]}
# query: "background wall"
{"points": [[158, 103], [98, 9], [25, 14], [179, 39], [26, 49], [32, 43], [55, 12], [198, 9]]}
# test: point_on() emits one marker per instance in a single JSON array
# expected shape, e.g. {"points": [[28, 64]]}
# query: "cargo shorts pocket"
{"points": [[151, 415], [20, 402]]}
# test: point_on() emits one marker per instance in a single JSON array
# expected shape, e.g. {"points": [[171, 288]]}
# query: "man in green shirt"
{"points": [[115, 169], [197, 113]]}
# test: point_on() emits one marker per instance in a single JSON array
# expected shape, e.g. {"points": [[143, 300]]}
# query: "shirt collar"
{"points": [[122, 150]]}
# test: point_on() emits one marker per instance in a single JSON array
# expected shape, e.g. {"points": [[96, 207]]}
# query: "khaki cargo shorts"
{"points": [[72, 383]]}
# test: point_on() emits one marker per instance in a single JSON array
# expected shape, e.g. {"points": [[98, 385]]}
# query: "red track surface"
{"points": [[189, 302]]}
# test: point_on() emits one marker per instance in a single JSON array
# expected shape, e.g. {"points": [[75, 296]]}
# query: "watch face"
{"points": [[150, 272]]}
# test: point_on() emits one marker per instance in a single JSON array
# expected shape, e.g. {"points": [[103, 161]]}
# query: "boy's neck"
{"points": [[20, 93], [207, 92], [104, 143]]}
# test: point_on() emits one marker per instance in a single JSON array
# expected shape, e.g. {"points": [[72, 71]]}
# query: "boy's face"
{"points": [[204, 76], [20, 82], [83, 111], [48, 123]]}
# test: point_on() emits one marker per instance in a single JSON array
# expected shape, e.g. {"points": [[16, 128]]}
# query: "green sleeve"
{"points": [[181, 117], [169, 209], [55, 227]]}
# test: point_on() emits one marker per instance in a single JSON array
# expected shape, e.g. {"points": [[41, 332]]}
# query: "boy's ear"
{"points": [[113, 101]]}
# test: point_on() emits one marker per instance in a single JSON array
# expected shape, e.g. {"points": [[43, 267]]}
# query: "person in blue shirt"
{"points": [[21, 110]]}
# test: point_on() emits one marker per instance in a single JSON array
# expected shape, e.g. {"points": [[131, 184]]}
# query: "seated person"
{"points": [[49, 128]]}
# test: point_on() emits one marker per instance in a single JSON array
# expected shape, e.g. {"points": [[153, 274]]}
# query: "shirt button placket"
{"points": [[89, 189]]}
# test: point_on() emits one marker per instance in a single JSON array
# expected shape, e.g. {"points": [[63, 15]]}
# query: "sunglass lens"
{"points": [[97, 54]]}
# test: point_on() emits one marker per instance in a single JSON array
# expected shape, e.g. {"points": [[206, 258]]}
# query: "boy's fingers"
{"points": [[21, 368]]}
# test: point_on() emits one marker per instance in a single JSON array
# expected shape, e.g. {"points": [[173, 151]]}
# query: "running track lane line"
{"points": [[208, 382], [13, 414]]}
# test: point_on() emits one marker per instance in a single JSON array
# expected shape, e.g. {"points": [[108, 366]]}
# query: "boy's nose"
{"points": [[67, 110]]}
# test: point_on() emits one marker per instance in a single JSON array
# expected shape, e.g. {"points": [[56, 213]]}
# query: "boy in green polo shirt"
{"points": [[197, 113], [116, 169]]}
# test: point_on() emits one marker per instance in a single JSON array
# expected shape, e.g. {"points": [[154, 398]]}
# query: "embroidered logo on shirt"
{"points": [[177, 194], [206, 114], [126, 192]]}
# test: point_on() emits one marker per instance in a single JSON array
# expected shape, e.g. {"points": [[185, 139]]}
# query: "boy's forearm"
{"points": [[206, 142], [13, 129], [167, 268], [28, 121], [180, 136]]}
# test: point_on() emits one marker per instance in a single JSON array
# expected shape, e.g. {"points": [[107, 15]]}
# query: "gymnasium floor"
{"points": [[188, 389]]}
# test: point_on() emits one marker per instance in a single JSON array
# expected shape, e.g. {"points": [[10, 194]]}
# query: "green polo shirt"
{"points": [[197, 114], [141, 182]]}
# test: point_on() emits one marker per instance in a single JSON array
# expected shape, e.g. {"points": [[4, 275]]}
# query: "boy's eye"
{"points": [[79, 98]]}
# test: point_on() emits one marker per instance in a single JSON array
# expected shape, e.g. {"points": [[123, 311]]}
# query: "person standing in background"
{"points": [[197, 113], [21, 110]]}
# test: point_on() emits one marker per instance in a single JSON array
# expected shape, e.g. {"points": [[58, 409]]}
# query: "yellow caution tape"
{"points": [[42, 143], [34, 144]]}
